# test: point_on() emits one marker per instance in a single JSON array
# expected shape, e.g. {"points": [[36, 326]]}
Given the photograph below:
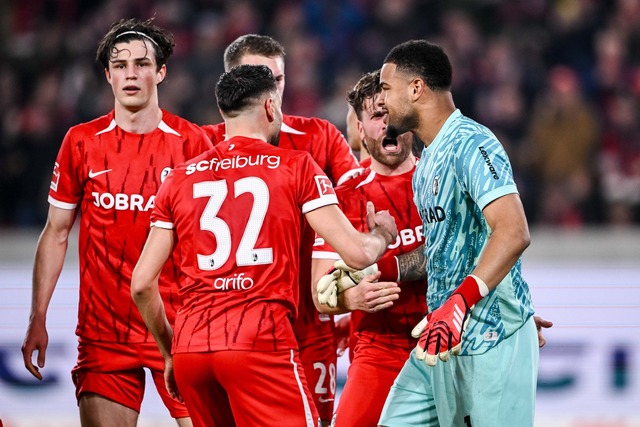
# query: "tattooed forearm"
{"points": [[413, 265]]}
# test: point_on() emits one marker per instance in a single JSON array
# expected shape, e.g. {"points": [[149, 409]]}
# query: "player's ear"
{"points": [[417, 88], [270, 108], [107, 74], [160, 75]]}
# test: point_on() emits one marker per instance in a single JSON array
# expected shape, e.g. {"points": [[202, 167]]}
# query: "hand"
{"points": [[170, 380], [381, 223], [350, 277], [440, 332], [36, 338], [343, 333], [541, 323], [370, 295], [339, 279]]}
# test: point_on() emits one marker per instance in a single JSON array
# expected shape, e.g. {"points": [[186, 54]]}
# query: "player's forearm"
{"points": [[49, 260], [503, 249], [412, 265], [149, 303]]}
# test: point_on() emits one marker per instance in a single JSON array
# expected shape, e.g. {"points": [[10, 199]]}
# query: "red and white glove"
{"points": [[440, 332]]}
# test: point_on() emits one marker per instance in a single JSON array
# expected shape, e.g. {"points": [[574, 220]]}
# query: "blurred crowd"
{"points": [[558, 81]]}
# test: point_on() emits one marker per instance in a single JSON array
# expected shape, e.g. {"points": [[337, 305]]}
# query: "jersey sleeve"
{"points": [[341, 161], [316, 189], [65, 190], [484, 169], [161, 216], [201, 142]]}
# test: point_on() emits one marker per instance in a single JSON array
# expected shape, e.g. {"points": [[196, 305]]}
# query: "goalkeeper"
{"points": [[475, 233], [384, 312]]}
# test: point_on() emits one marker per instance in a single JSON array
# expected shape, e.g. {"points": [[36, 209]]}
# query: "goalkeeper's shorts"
{"points": [[493, 389]]}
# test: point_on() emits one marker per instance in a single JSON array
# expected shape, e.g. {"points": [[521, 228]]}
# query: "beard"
{"points": [[407, 123], [393, 159]]}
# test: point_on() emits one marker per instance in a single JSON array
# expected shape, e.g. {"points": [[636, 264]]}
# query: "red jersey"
{"points": [[238, 214], [331, 151], [318, 137], [393, 193], [113, 176]]}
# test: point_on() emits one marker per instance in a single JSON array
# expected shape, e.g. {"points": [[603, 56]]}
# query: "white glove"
{"points": [[327, 288], [339, 280], [350, 277]]}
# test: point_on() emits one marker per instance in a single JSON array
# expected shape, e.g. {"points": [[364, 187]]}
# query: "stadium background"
{"points": [[557, 81]]}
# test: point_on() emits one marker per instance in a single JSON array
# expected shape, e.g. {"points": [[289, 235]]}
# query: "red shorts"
{"points": [[319, 359], [370, 376], [115, 371], [245, 388]]}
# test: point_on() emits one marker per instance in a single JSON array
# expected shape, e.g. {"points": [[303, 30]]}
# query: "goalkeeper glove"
{"points": [[440, 332], [388, 266], [327, 288], [339, 279]]}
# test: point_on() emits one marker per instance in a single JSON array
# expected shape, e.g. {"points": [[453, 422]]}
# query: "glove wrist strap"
{"points": [[388, 267], [472, 289]]}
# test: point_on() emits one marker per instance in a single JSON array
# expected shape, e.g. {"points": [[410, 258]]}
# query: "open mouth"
{"points": [[390, 145], [131, 90]]}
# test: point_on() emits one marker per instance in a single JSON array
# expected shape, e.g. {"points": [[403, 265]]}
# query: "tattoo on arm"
{"points": [[413, 265]]}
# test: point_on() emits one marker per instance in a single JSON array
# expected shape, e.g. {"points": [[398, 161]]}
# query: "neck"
{"points": [[400, 169], [141, 121], [248, 127], [432, 116]]}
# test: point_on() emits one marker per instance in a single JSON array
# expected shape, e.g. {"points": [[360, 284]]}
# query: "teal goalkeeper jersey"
{"points": [[463, 170]]}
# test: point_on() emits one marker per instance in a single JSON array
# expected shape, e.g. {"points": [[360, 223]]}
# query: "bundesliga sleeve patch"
{"points": [[55, 177], [324, 185]]}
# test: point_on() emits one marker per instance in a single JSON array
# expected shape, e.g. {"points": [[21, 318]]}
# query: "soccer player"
{"points": [[382, 313], [108, 171], [329, 149], [475, 233], [236, 212]]}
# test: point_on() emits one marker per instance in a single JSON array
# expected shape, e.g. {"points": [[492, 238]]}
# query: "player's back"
{"points": [[237, 211]]}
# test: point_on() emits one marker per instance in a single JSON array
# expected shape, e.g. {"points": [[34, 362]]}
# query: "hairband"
{"points": [[138, 33]]}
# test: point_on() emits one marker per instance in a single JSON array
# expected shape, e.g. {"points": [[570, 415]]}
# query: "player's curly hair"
{"points": [[367, 87], [251, 44], [242, 86], [423, 59], [126, 30]]}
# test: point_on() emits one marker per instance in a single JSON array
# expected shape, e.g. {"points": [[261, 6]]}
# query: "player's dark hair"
{"points": [[242, 86], [127, 30], [425, 60], [367, 88], [251, 44]]}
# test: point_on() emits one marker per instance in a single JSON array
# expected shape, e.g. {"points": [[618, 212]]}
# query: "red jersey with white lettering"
{"points": [[393, 193], [113, 176], [238, 212], [318, 137]]}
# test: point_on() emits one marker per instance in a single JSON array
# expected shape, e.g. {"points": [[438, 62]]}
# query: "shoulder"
{"points": [[306, 125], [355, 182], [214, 132], [93, 127], [181, 125]]}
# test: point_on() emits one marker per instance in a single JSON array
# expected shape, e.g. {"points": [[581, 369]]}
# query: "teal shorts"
{"points": [[494, 389]]}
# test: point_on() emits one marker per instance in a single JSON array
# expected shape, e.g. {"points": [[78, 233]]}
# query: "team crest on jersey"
{"points": [[55, 177], [164, 174], [324, 185], [436, 185]]}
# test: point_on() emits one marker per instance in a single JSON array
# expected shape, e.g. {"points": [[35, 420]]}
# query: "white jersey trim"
{"points": [[348, 175], [162, 126], [162, 224], [61, 205], [325, 255], [329, 199], [367, 180], [288, 129]]}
